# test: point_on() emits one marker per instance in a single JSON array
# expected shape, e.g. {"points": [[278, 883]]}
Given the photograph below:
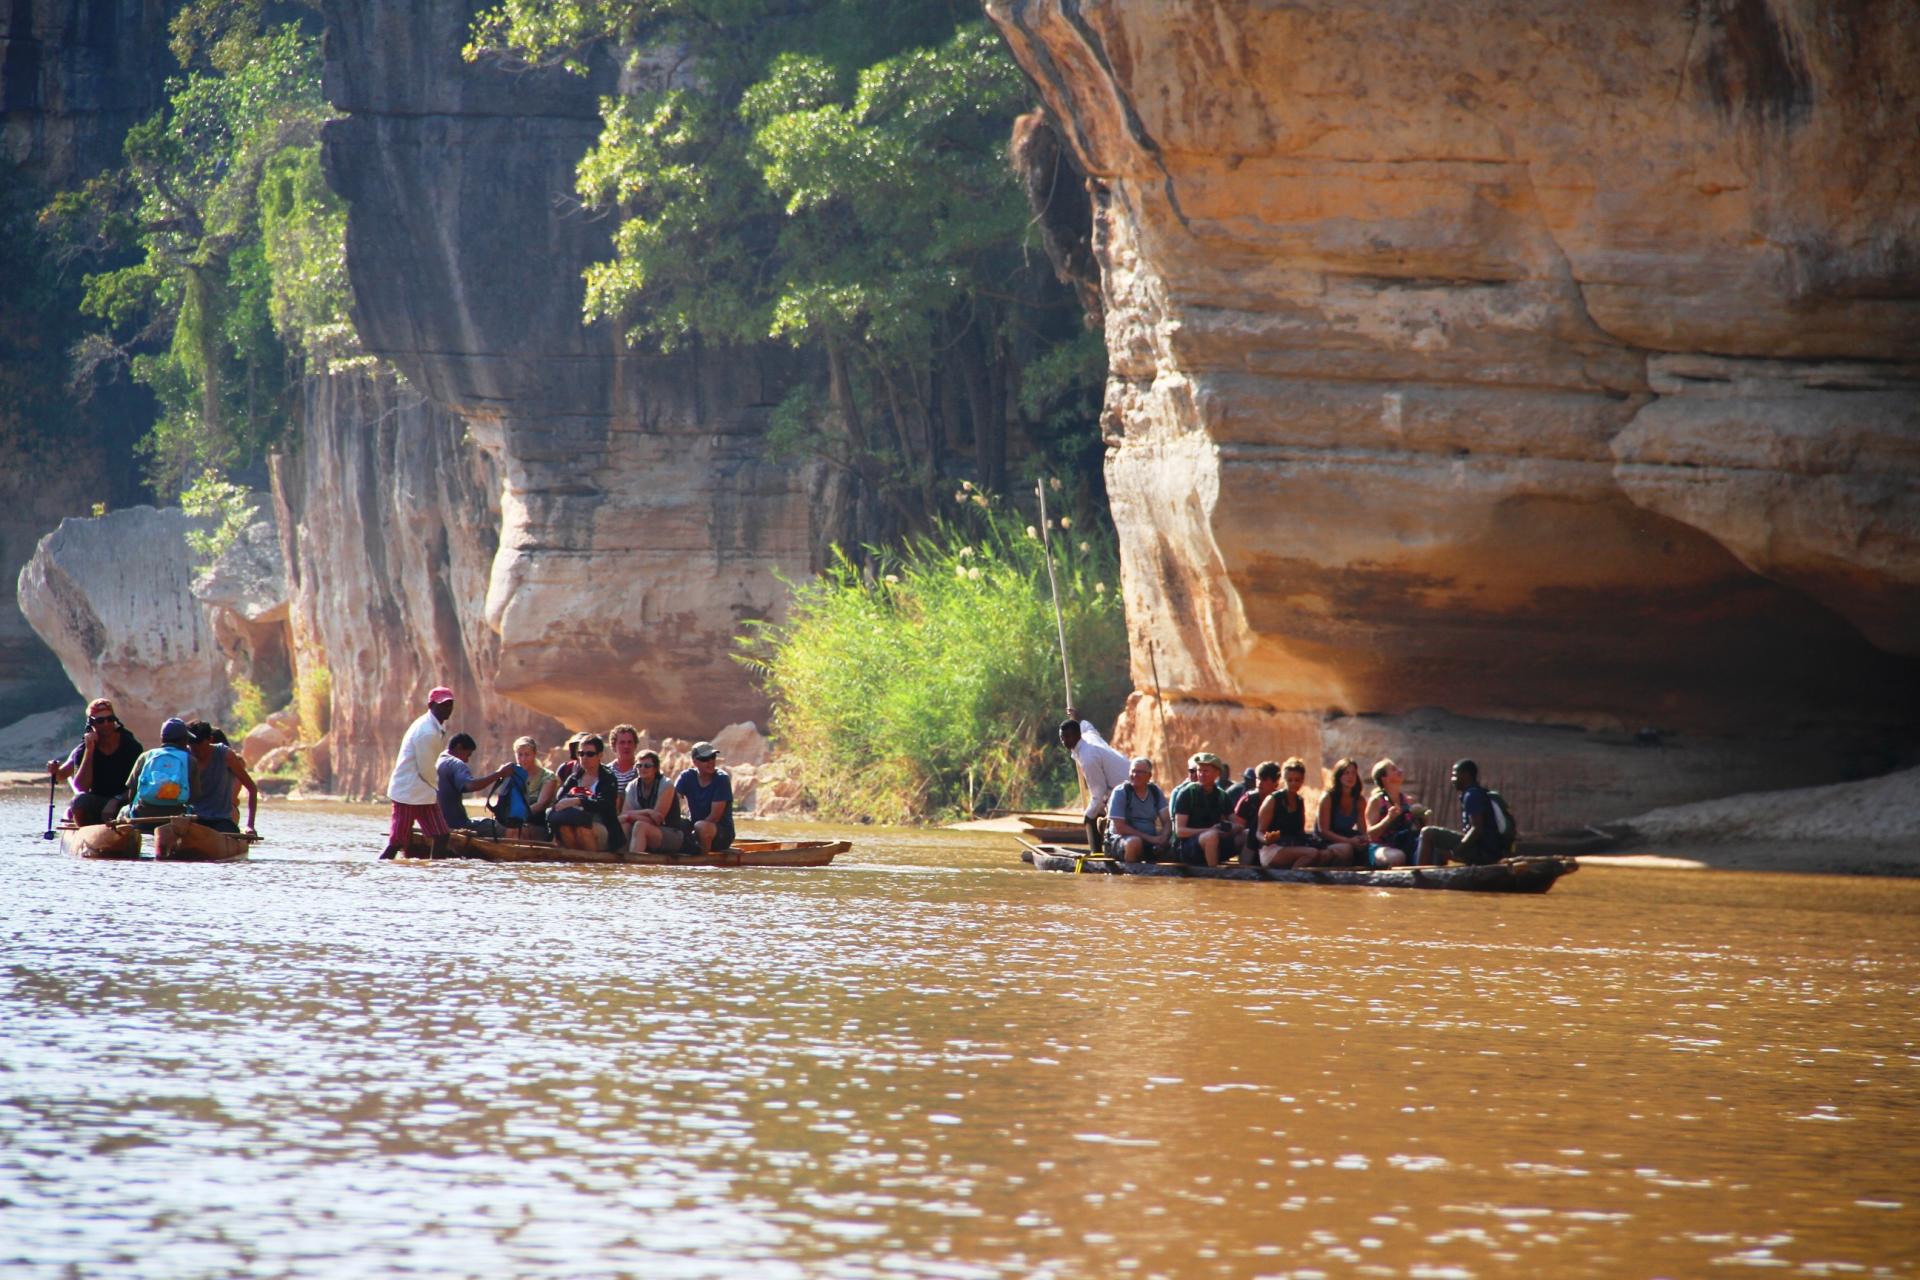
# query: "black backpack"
{"points": [[1506, 831]]}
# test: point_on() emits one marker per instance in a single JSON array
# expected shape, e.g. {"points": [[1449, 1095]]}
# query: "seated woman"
{"points": [[586, 813], [1393, 818], [650, 810], [1284, 839], [1342, 811], [528, 792]]}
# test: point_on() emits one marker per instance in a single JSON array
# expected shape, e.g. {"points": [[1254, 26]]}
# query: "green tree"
{"points": [[830, 173], [239, 273]]}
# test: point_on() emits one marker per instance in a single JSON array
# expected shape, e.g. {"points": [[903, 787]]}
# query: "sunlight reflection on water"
{"points": [[926, 1061]]}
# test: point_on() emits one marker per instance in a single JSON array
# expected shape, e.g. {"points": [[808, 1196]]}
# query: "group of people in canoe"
{"points": [[193, 772], [607, 795], [1264, 818]]}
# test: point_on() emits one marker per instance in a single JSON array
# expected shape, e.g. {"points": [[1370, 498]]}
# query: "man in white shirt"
{"points": [[1103, 768], [414, 788]]}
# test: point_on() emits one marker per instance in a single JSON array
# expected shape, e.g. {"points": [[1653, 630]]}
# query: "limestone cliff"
{"points": [[389, 520], [638, 522], [73, 77], [1548, 364]]}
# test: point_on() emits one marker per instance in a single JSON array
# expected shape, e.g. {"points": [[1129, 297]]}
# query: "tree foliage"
{"points": [[832, 174], [237, 270]]}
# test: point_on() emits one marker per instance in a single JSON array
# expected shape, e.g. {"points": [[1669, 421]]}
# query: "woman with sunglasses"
{"points": [[650, 809], [100, 766], [587, 813]]}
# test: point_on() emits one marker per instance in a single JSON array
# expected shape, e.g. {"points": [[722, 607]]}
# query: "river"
{"points": [[927, 1060]]}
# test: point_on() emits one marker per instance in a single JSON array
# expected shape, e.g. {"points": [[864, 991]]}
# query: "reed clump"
{"points": [[923, 682]]}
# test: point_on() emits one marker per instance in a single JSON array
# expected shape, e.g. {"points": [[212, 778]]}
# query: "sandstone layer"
{"points": [[1540, 364], [389, 521], [638, 521]]}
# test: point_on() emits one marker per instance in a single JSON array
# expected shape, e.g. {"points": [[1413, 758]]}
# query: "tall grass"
{"points": [[928, 682]]}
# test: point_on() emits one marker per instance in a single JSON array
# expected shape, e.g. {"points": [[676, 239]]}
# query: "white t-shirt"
{"points": [[415, 780], [1102, 766]]}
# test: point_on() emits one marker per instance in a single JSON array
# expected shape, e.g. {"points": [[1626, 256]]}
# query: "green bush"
{"points": [[932, 675], [313, 699], [247, 709]]}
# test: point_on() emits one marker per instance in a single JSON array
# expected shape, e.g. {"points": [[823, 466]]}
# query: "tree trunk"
{"points": [[989, 444]]}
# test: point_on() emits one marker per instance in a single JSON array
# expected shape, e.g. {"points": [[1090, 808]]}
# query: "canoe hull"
{"points": [[193, 842], [107, 841], [747, 853], [1515, 875]]}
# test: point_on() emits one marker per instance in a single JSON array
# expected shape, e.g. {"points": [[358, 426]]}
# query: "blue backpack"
{"points": [[509, 801], [164, 779]]}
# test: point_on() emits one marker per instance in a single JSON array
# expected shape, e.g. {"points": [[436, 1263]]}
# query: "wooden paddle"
{"points": [[53, 782]]}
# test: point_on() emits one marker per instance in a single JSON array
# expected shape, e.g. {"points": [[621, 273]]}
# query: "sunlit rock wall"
{"points": [[1545, 364], [113, 597], [639, 522], [390, 520]]}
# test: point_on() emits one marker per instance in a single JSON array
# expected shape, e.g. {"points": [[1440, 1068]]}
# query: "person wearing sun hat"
{"points": [[414, 788], [708, 791], [1202, 822]]}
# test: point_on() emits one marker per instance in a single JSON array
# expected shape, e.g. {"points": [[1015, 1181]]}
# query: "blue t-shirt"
{"points": [[1141, 814], [1473, 801], [455, 778], [700, 800]]}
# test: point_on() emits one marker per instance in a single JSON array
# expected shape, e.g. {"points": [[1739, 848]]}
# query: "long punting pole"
{"points": [[1160, 704], [1046, 543]]}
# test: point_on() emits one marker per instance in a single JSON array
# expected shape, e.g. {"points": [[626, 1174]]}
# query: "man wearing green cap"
{"points": [[1202, 820]]}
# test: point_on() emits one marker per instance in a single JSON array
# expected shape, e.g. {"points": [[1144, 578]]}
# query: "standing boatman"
{"points": [[1103, 768], [414, 788]]}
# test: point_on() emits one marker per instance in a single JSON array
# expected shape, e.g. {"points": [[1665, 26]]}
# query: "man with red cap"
{"points": [[415, 785]]}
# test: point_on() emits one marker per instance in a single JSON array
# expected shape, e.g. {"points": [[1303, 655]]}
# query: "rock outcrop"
{"points": [[113, 597], [1548, 365], [638, 521], [389, 522]]}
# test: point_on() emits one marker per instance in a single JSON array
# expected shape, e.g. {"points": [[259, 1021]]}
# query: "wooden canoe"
{"points": [[745, 853], [119, 841], [1514, 875], [196, 842]]}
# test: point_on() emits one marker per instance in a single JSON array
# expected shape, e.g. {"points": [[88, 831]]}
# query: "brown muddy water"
{"points": [[930, 1061]]}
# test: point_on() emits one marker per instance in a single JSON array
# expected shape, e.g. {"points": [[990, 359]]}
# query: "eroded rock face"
{"points": [[389, 522], [1547, 365], [638, 523], [113, 597], [73, 77]]}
